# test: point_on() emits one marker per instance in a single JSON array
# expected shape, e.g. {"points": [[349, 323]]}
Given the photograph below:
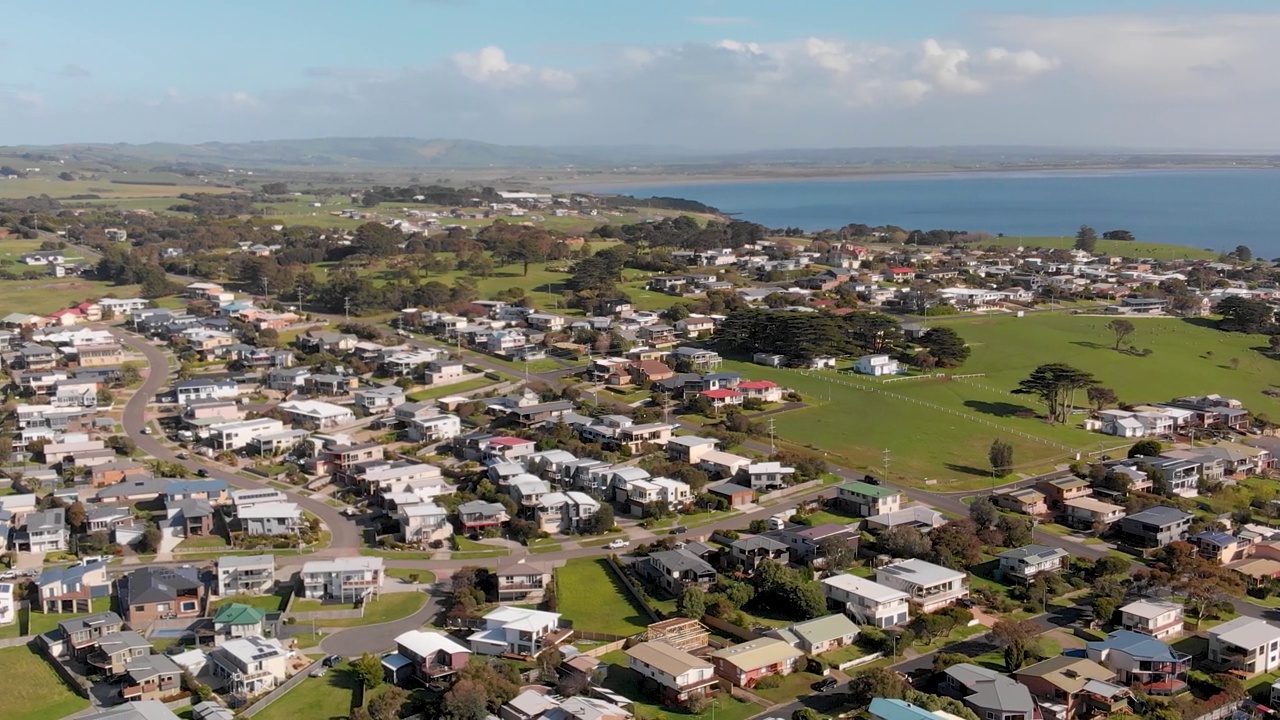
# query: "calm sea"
{"points": [[1216, 209]]}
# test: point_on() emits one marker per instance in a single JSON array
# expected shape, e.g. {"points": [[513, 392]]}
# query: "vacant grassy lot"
{"points": [[266, 603], [325, 698], [594, 599], [32, 690], [432, 393], [1111, 247], [388, 607], [48, 294], [105, 188]]}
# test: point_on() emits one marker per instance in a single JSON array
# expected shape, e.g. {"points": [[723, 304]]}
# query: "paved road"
{"points": [[346, 536], [375, 639]]}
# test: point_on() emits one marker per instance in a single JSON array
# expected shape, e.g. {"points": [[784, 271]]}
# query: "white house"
{"points": [[317, 413], [8, 609], [876, 365], [246, 574], [1156, 618], [679, 675], [238, 434], [1024, 563], [867, 602], [866, 500], [250, 665], [515, 630], [1246, 644], [930, 586], [345, 579], [423, 522]]}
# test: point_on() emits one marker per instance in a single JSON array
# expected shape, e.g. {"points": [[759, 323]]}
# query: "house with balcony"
{"points": [[864, 499], [71, 589], [565, 512], [515, 631], [700, 359], [722, 464], [988, 693], [867, 602], [250, 666], [1141, 659], [160, 593], [237, 620], [766, 476], [347, 579], [748, 552], [111, 653], [1068, 687], [476, 515], [151, 677], [246, 574], [689, 448], [1088, 513], [277, 518], [1027, 501], [819, 635], [1155, 527], [379, 399], [1220, 547], [744, 664], [1023, 564], [240, 433], [929, 587], [524, 582], [1059, 491], [674, 570], [1245, 645], [806, 544], [43, 531], [81, 634], [1156, 618], [680, 676], [424, 656], [422, 522]]}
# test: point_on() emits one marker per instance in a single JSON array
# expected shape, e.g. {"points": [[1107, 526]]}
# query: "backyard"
{"points": [[32, 690], [594, 599], [266, 603], [323, 698]]}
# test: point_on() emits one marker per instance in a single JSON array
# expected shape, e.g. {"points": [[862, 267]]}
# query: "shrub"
{"points": [[769, 682]]}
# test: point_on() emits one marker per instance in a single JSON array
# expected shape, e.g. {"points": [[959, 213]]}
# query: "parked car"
{"points": [[146, 429], [181, 455], [678, 530], [617, 544], [331, 661], [202, 472], [824, 684]]}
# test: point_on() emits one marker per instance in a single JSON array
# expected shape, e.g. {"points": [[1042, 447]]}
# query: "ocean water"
{"points": [[1217, 209]]}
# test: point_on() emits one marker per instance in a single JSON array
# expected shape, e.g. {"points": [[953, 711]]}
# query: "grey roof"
{"points": [[992, 690], [681, 561], [90, 621], [210, 711], [141, 710], [235, 561], [68, 575], [1040, 552], [1160, 515], [1136, 645], [159, 584], [150, 666], [481, 507], [758, 542]]}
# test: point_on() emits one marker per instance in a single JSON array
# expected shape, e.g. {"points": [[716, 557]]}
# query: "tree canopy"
{"points": [[1056, 385]]}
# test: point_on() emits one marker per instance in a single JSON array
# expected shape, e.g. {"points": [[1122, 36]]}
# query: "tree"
{"points": [[1000, 456], [1122, 329], [130, 373], [601, 521], [945, 346], [983, 512], [466, 700], [368, 670], [1146, 448], [805, 713], [1056, 385], [956, 544], [932, 625], [876, 683], [76, 516], [1086, 239], [150, 541], [1100, 397], [1245, 315], [836, 553], [387, 704], [1016, 637], [692, 602], [904, 542], [1243, 253], [1108, 565]]}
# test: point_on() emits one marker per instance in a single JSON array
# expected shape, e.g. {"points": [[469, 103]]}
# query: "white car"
{"points": [[618, 544]]}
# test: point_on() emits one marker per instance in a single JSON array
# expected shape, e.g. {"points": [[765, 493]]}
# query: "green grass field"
{"points": [[593, 598], [47, 293], [325, 698], [432, 393], [266, 603], [1122, 248], [49, 184], [388, 607], [32, 690]]}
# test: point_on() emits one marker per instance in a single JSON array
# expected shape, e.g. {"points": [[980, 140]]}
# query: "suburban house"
{"points": [[8, 605], [1246, 645], [674, 570], [533, 704], [920, 517], [81, 634], [1088, 513], [1024, 563], [111, 653], [1144, 660], [523, 582], [275, 518], [1155, 527], [766, 476], [819, 635], [1156, 618], [316, 414], [151, 677], [514, 630], [72, 589], [679, 675], [736, 495], [347, 579], [876, 365], [929, 586], [807, 544], [154, 593], [422, 522], [250, 666], [1059, 491], [478, 515], [864, 499], [988, 693], [689, 448], [1067, 687], [43, 531], [246, 574], [1027, 501], [894, 709], [425, 656], [236, 620], [748, 552], [867, 602], [744, 664]]}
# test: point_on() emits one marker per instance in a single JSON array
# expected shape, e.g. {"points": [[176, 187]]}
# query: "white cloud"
{"points": [[489, 65]]}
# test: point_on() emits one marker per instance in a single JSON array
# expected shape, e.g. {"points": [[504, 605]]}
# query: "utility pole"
{"points": [[299, 297], [772, 447], [886, 456], [346, 307]]}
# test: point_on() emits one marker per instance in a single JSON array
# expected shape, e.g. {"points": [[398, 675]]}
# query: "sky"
{"points": [[719, 75]]}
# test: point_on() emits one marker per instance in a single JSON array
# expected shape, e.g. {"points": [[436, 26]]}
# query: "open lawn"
{"points": [[594, 599], [1111, 247], [407, 574], [431, 393], [266, 603], [793, 686], [626, 682], [48, 294], [40, 623], [113, 187], [32, 690], [388, 607], [325, 698], [202, 542]]}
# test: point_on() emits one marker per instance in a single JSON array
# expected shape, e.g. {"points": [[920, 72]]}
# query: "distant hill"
{"points": [[357, 154]]}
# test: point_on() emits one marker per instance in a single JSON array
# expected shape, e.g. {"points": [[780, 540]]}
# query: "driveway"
{"points": [[375, 639]]}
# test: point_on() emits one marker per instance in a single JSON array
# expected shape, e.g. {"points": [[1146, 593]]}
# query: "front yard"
{"points": [[325, 698], [387, 607], [593, 598], [32, 690], [792, 686]]}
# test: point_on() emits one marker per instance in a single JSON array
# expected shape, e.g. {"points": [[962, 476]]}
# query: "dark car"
{"points": [[966, 603], [871, 480], [331, 661], [678, 530], [202, 472], [824, 684]]}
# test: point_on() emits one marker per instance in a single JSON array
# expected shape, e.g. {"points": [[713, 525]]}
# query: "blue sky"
{"points": [[738, 74]]}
